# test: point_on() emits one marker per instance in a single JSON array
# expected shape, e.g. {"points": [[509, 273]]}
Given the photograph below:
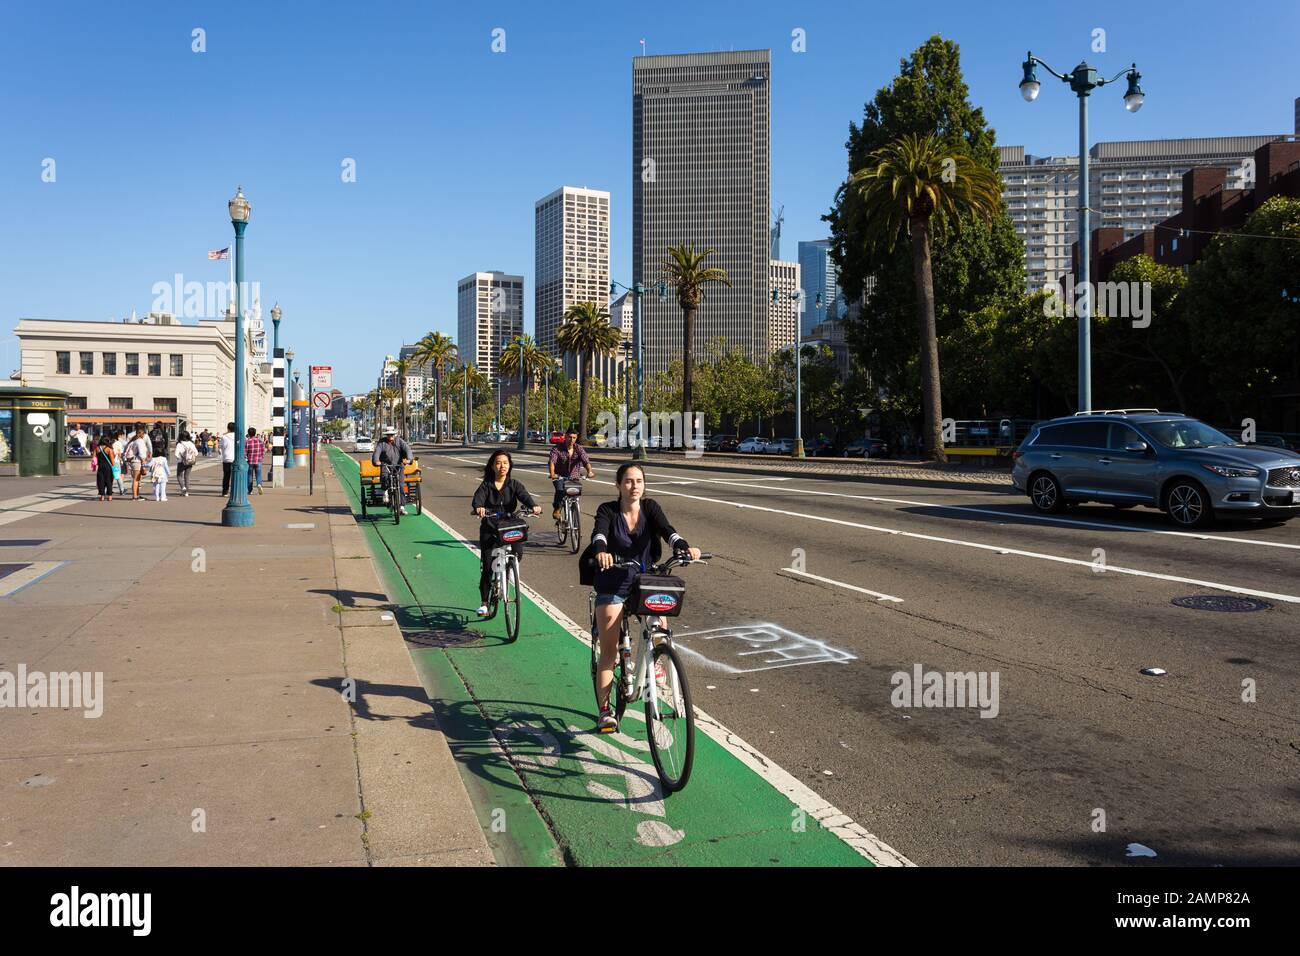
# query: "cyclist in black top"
{"points": [[498, 492], [629, 529]]}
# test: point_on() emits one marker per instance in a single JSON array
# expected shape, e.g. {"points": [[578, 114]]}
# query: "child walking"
{"points": [[159, 472]]}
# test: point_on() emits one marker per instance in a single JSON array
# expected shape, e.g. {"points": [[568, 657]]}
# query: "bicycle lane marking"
{"points": [[601, 796]]}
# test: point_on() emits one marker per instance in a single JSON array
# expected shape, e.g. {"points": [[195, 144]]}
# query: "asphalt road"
{"points": [[1084, 756]]}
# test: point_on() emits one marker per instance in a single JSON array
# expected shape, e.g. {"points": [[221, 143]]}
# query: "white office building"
{"points": [[572, 260], [1133, 185], [783, 311], [489, 313]]}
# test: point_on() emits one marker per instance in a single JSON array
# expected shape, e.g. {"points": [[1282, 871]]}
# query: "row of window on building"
{"points": [[78, 403], [108, 363]]}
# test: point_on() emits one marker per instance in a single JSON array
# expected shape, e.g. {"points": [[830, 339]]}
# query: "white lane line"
{"points": [[1230, 588], [796, 791], [841, 584]]}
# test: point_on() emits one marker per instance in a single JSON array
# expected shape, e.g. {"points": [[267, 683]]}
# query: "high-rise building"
{"points": [[572, 242], [1132, 185], [701, 173], [783, 307], [820, 277], [489, 314]]}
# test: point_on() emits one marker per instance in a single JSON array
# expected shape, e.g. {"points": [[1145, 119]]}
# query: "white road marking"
{"points": [[841, 584], [775, 645], [796, 791]]}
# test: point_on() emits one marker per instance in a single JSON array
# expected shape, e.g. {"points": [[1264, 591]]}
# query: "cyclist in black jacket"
{"points": [[497, 492], [629, 529]]}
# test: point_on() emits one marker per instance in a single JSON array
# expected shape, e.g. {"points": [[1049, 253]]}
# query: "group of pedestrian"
{"points": [[254, 453]]}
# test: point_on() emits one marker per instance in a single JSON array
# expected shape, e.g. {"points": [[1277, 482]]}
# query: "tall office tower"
{"points": [[783, 309], [1133, 185], [489, 314], [572, 240], [701, 173], [820, 277]]}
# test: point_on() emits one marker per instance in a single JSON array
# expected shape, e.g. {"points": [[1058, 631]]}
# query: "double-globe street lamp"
{"points": [[1083, 80], [638, 290], [238, 513]]}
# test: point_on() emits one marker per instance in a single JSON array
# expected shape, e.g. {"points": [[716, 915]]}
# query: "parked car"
{"points": [[557, 438], [781, 446], [866, 448], [365, 443], [822, 448], [1180, 465], [721, 443], [752, 446]]}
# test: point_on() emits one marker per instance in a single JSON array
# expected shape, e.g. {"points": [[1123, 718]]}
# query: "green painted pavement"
{"points": [[599, 795]]}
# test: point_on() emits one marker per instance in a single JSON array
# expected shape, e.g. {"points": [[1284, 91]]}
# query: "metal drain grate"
{"points": [[1215, 602]]}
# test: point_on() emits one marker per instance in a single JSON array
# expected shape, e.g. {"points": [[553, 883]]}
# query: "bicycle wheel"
{"points": [[512, 600], [617, 698], [575, 527], [670, 724], [395, 503]]}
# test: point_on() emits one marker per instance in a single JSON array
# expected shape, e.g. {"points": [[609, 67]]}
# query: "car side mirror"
{"points": [[1136, 446]]}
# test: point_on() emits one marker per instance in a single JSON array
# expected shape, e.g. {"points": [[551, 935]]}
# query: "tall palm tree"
{"points": [[389, 397], [685, 270], [438, 351], [523, 359], [920, 184], [586, 332]]}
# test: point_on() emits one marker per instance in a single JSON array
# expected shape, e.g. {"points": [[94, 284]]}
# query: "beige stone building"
{"points": [[156, 369]]}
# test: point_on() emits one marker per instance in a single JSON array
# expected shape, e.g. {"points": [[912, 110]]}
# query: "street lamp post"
{"points": [[1083, 80], [275, 350], [290, 411], [638, 290], [523, 400], [238, 513], [547, 426], [468, 402]]}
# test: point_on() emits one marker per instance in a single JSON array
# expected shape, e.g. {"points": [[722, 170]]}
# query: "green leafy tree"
{"points": [[438, 351], [978, 265], [524, 353], [586, 332], [684, 270]]}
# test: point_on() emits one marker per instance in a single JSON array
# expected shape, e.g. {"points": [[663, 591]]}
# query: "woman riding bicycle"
{"points": [[629, 529], [497, 493]]}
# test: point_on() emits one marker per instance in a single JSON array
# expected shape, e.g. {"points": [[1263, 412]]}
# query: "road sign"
{"points": [[322, 377], [320, 399]]}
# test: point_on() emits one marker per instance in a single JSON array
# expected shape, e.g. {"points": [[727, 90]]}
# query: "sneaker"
{"points": [[482, 610], [607, 723]]}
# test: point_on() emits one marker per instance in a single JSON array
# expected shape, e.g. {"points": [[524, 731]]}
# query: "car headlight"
{"points": [[1229, 471]]}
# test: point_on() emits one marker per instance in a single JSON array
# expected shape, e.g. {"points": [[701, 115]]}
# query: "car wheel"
{"points": [[1046, 494], [1188, 505]]}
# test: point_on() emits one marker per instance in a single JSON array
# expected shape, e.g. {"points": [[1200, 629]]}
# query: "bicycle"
{"points": [[570, 524], [656, 675], [510, 529], [394, 487]]}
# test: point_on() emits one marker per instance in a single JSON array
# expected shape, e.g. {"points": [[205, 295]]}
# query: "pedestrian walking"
{"points": [[227, 458], [160, 471], [202, 443], [105, 463], [119, 446], [137, 454], [255, 452], [186, 455]]}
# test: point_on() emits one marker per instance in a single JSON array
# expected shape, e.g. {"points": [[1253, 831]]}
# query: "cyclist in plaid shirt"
{"points": [[255, 452]]}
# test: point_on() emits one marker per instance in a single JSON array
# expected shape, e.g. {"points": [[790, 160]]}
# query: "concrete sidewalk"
{"points": [[226, 656]]}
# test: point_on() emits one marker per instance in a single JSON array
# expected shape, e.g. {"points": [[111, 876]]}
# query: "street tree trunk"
{"points": [[583, 390], [931, 405]]}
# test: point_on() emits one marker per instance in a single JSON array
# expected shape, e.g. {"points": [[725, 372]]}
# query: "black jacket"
{"points": [[607, 514], [506, 500]]}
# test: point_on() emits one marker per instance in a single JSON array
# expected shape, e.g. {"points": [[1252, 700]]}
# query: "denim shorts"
{"points": [[603, 599]]}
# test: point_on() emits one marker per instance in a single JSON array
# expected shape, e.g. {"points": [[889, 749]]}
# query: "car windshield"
{"points": [[1187, 433]]}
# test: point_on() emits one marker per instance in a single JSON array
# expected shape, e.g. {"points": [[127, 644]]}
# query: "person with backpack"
{"points": [[105, 463], [255, 452], [137, 454], [186, 455], [119, 446], [158, 437]]}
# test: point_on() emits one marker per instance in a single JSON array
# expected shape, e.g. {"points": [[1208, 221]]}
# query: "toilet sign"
{"points": [[322, 377]]}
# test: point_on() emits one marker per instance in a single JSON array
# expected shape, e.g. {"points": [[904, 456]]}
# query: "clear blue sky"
{"points": [[454, 143]]}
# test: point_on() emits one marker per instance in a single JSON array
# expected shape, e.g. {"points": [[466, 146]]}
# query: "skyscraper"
{"points": [[572, 249], [783, 309], [820, 277], [701, 173], [489, 314]]}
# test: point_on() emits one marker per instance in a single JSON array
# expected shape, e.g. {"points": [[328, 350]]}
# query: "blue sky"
{"points": [[453, 143]]}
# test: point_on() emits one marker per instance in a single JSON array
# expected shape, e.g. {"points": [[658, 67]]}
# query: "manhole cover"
{"points": [[1214, 602]]}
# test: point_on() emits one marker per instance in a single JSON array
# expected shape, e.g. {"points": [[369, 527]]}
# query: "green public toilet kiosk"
{"points": [[32, 426]]}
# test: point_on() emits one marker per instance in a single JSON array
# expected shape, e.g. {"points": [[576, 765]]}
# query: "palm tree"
{"points": [[586, 332], [524, 354], [685, 270], [918, 183], [438, 351], [389, 396], [458, 378]]}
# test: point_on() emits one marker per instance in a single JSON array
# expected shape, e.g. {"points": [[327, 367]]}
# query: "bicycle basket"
{"points": [[572, 488], [661, 594], [509, 530]]}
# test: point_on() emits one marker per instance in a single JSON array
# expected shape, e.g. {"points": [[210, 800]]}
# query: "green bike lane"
{"points": [[519, 717]]}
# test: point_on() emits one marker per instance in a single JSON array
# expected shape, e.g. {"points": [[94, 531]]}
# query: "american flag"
{"points": [[219, 253]]}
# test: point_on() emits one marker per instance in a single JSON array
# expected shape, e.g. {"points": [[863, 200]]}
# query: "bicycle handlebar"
{"points": [[672, 562]]}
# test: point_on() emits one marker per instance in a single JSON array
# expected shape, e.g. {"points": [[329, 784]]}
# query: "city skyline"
{"points": [[373, 262]]}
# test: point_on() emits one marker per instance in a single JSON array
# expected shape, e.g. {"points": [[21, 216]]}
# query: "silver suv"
{"points": [[1164, 460]]}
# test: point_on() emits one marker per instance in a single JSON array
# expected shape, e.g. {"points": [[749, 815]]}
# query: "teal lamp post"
{"points": [[238, 513], [638, 290], [1083, 80], [288, 409]]}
